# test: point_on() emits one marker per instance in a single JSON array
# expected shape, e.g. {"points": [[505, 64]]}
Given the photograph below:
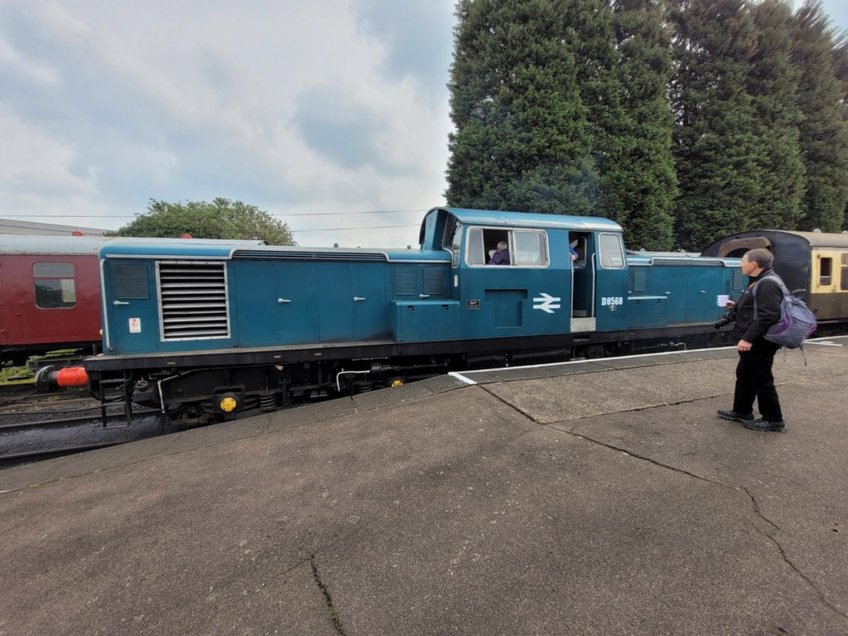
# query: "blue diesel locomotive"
{"points": [[206, 332]]}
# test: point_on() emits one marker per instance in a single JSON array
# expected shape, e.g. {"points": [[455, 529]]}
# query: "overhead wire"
{"points": [[274, 214], [280, 214], [345, 229]]}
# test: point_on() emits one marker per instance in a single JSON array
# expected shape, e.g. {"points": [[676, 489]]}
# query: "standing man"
{"points": [[754, 377]]}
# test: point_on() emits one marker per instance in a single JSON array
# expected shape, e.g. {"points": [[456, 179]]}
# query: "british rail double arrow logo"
{"points": [[546, 303]]}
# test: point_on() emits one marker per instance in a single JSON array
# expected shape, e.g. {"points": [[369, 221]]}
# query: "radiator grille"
{"points": [[193, 300], [405, 280], [640, 280], [434, 281], [130, 281]]}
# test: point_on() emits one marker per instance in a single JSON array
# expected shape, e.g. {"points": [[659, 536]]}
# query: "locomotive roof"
{"points": [[294, 252], [532, 219], [258, 250], [132, 246]]}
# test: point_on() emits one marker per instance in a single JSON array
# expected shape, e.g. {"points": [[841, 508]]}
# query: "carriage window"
{"points": [[843, 283], [825, 271], [529, 248], [612, 255], [54, 285]]}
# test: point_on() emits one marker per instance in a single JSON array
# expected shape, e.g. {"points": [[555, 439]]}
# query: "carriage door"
{"points": [[583, 287]]}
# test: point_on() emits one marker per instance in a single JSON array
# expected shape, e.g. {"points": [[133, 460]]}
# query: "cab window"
{"points": [[475, 254], [611, 251], [530, 248], [455, 245], [527, 248], [54, 285]]}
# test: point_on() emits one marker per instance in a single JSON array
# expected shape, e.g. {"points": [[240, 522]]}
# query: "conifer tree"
{"points": [[840, 56], [823, 130], [772, 84], [714, 140], [523, 140], [639, 181]]}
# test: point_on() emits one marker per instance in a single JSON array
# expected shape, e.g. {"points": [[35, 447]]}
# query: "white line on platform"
{"points": [[461, 376], [565, 363], [824, 343]]}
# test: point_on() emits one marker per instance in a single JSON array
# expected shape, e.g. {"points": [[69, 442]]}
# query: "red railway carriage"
{"points": [[49, 294]]}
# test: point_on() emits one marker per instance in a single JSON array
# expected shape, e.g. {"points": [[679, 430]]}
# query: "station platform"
{"points": [[590, 497]]}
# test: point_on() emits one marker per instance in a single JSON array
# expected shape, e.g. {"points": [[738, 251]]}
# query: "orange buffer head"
{"points": [[69, 376]]}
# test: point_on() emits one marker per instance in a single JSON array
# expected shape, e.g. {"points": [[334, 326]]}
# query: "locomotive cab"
{"points": [[533, 286]]}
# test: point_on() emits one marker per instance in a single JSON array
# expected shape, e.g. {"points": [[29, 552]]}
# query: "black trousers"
{"points": [[754, 379]]}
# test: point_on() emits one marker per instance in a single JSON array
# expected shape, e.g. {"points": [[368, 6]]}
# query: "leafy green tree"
{"points": [[824, 130], [220, 219], [523, 140], [773, 87], [637, 168], [715, 145]]}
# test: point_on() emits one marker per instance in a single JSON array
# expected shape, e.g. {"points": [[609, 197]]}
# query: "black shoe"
{"points": [[766, 426], [736, 417]]}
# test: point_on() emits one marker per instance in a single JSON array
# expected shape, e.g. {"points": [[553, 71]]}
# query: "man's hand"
{"points": [[743, 345]]}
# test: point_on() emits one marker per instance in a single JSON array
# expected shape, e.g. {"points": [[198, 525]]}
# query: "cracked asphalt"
{"points": [[600, 497]]}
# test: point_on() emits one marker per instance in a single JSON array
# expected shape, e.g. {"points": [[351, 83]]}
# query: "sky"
{"points": [[332, 116]]}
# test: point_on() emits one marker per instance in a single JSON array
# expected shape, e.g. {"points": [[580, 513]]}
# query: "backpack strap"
{"points": [[770, 276]]}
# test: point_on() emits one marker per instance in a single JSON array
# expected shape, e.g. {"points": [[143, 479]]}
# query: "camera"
{"points": [[728, 317]]}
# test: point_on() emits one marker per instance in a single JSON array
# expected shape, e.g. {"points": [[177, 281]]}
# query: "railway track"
{"points": [[34, 424]]}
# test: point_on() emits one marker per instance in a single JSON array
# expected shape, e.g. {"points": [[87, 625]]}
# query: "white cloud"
{"points": [[192, 100], [32, 159], [39, 72], [292, 105]]}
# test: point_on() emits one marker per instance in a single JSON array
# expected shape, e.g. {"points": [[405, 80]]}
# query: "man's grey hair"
{"points": [[502, 245], [761, 256]]}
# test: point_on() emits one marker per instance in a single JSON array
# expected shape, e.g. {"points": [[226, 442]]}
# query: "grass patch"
{"points": [[24, 374], [16, 375]]}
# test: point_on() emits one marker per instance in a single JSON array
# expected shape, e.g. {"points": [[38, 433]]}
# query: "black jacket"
{"points": [[769, 296]]}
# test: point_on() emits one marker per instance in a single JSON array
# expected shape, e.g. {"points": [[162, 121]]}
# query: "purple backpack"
{"points": [[796, 322]]}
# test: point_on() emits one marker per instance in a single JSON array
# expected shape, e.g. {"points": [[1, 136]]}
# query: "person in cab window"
{"points": [[573, 253], [501, 256]]}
